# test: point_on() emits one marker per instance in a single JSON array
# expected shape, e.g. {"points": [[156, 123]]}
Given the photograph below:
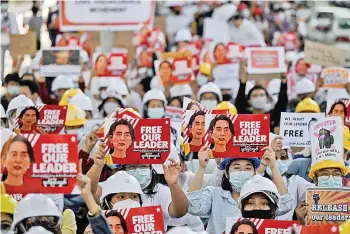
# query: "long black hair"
{"points": [[338, 103], [243, 222]]}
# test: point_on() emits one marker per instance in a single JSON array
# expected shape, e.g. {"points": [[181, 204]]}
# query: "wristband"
{"points": [[96, 213]]}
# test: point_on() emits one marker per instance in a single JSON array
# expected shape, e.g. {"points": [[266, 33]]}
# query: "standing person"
{"points": [[53, 24], [244, 32], [35, 24], [30, 89]]}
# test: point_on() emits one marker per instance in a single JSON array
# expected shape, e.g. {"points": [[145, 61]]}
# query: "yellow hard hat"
{"points": [[75, 116], [226, 105], [308, 105], [328, 164], [67, 95], [205, 69], [344, 227], [346, 138], [8, 204]]}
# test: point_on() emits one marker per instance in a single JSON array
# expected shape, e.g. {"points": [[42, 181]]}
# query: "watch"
{"points": [[96, 213]]}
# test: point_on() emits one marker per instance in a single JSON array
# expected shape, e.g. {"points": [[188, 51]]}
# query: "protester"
{"points": [[30, 89], [13, 89]]}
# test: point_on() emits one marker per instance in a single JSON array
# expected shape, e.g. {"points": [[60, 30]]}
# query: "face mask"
{"points": [[259, 102], [238, 179], [257, 214], [13, 90], [330, 182], [226, 97], [110, 106], [209, 104], [143, 176], [128, 203], [78, 131], [282, 165], [103, 95], [155, 113], [201, 79]]}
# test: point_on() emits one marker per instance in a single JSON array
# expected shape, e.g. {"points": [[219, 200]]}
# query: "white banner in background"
{"points": [[114, 15]]}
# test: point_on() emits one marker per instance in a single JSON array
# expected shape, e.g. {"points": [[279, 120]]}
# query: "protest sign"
{"points": [[60, 60], [194, 130], [237, 135], [142, 220], [137, 141], [52, 168], [174, 113], [263, 60], [92, 125], [325, 55], [335, 108], [105, 16], [216, 29], [316, 229], [223, 74], [335, 77], [45, 119], [264, 226], [293, 78], [327, 205], [23, 44], [327, 139], [294, 127], [110, 64]]}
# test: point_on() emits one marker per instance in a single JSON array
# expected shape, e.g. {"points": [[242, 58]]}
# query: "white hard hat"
{"points": [[120, 182], [38, 230], [58, 199], [259, 184], [82, 101], [62, 82], [112, 92], [2, 112], [291, 56], [173, 154], [210, 88], [274, 86], [84, 56], [19, 101], [34, 205], [154, 94], [5, 134], [248, 86], [183, 35], [304, 85], [180, 90]]}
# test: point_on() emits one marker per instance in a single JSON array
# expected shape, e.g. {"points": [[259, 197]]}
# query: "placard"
{"points": [[336, 109], [223, 74], [23, 44], [262, 60], [316, 229], [51, 119], [335, 77], [137, 141], [295, 128], [216, 29], [328, 205], [174, 113], [60, 60], [325, 55], [264, 226], [105, 16], [143, 220], [327, 140], [194, 130], [110, 64], [237, 135], [53, 169], [92, 125]]}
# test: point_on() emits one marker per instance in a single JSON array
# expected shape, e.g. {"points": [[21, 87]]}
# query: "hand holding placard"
{"points": [[99, 156], [203, 156]]}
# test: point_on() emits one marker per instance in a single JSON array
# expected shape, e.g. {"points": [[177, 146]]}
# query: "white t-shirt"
{"points": [[247, 34]]}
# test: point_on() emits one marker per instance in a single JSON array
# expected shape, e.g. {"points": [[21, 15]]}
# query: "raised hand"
{"points": [[172, 172]]}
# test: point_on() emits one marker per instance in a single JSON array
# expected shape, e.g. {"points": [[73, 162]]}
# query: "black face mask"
{"points": [[257, 214], [226, 97]]}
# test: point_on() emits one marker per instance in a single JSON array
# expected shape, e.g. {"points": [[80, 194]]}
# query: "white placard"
{"points": [[217, 30], [294, 127], [264, 60], [224, 74]]}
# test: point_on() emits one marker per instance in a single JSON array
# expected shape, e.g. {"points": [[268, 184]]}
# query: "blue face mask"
{"points": [[282, 165], [155, 113], [13, 90], [209, 104], [330, 182], [201, 79], [143, 176], [238, 179]]}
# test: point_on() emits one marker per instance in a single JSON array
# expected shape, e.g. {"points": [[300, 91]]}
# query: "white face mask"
{"points": [[143, 176], [110, 106], [259, 103], [209, 104], [103, 94], [155, 112], [78, 131], [128, 203]]}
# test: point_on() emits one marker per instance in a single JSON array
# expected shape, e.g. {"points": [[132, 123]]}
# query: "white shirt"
{"points": [[297, 187], [247, 34]]}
